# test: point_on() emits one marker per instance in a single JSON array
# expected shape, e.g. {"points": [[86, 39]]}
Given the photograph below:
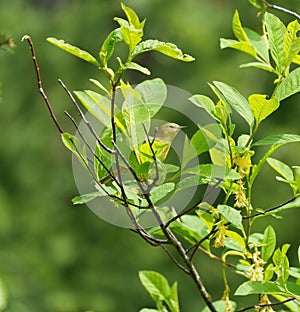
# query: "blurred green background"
{"points": [[60, 258]]}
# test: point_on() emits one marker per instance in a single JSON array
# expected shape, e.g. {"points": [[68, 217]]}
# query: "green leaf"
{"points": [[174, 297], [204, 102], [278, 139], [97, 104], [276, 32], [137, 67], [259, 44], [153, 93], [293, 288], [191, 181], [108, 45], [269, 243], [86, 198], [245, 47], [291, 42], [237, 27], [156, 284], [234, 241], [259, 65], [74, 50], [73, 144], [166, 48], [262, 107], [235, 99], [259, 287], [256, 3], [232, 215], [199, 142], [282, 263], [294, 204], [221, 306], [281, 168], [294, 272], [132, 17], [213, 171], [149, 310], [161, 191], [289, 86], [136, 115], [192, 229], [131, 35]]}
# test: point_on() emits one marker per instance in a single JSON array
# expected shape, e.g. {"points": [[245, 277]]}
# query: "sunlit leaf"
{"points": [[259, 65], [269, 243], [108, 45], [131, 35], [204, 102], [137, 67], [245, 47], [289, 86], [235, 241], [236, 101], [73, 144], [278, 139], [262, 107], [259, 287], [132, 17], [276, 31], [156, 284], [291, 41], [166, 48], [153, 93], [281, 168], [259, 44], [161, 191], [232, 215], [73, 50], [237, 27]]}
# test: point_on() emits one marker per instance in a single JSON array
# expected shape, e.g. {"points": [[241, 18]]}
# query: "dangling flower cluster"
{"points": [[257, 271], [220, 237], [240, 196]]}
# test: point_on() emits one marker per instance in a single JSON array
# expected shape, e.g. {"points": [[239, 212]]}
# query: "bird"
{"points": [[160, 145]]}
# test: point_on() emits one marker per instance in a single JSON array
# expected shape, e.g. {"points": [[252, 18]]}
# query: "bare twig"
{"points": [[91, 149], [154, 159], [87, 123], [175, 261], [186, 211], [279, 8], [40, 85], [269, 210], [262, 305]]}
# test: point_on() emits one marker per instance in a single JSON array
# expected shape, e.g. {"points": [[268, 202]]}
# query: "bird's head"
{"points": [[167, 132]]}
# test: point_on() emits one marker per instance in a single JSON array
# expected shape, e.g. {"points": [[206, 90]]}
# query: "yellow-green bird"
{"points": [[161, 145]]}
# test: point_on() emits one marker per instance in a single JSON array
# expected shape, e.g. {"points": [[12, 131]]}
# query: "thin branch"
{"points": [[186, 211], [91, 149], [154, 158], [194, 247], [175, 261], [269, 210], [262, 305], [279, 8], [40, 85], [87, 123]]}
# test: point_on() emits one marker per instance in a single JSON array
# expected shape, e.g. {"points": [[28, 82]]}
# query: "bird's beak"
{"points": [[181, 127]]}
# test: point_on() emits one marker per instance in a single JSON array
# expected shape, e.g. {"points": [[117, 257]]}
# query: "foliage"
{"points": [[226, 225]]}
